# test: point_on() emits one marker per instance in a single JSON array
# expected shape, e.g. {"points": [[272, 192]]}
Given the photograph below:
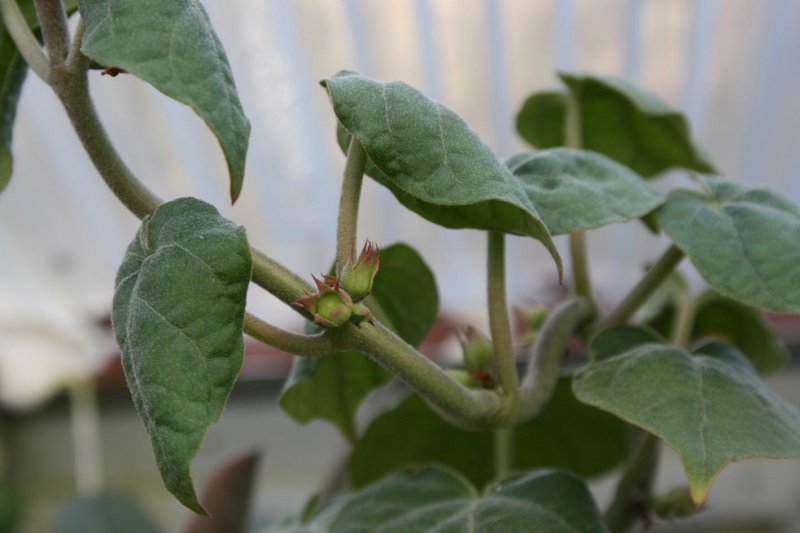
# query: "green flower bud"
{"points": [[478, 350], [357, 278], [331, 306], [463, 377], [677, 503], [361, 314]]}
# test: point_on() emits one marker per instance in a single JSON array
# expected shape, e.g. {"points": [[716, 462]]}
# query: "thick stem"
{"points": [[503, 452], [580, 265], [23, 37], [303, 345], [544, 363], [53, 21], [639, 294], [469, 408], [499, 324], [348, 204], [635, 486]]}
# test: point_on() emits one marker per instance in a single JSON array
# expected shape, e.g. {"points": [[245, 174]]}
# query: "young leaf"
{"points": [[745, 242], [404, 296], [431, 160], [618, 119], [592, 443], [574, 190], [744, 327], [438, 500], [710, 407], [103, 513], [178, 311], [172, 46]]}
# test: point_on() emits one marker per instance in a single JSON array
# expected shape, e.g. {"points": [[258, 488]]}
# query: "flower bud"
{"points": [[360, 314], [331, 306], [478, 350], [357, 278], [676, 503]]}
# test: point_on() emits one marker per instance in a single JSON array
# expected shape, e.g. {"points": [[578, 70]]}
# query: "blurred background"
{"points": [[732, 66]]}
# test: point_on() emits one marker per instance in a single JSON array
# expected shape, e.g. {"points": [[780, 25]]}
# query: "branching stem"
{"points": [[53, 21]]}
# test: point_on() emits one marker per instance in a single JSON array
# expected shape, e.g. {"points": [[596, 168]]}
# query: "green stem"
{"points": [[684, 321], [503, 452], [635, 486], [348, 204], [580, 265], [467, 408], [53, 21], [23, 37], [639, 294], [499, 324], [303, 345], [544, 364]]}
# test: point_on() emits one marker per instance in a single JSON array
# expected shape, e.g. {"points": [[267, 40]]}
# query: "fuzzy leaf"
{"points": [[592, 443], [745, 242], [172, 46], [711, 407], [575, 190], [618, 119], [431, 160], [178, 312], [103, 513], [331, 388], [439, 500]]}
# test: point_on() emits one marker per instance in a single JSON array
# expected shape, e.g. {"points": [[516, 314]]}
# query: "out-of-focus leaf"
{"points": [[103, 513]]}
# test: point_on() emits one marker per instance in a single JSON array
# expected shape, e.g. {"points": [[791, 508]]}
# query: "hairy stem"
{"points": [[544, 363], [635, 486], [684, 321], [53, 21], [474, 409], [639, 294], [499, 324], [303, 345], [23, 37], [348, 204], [580, 265]]}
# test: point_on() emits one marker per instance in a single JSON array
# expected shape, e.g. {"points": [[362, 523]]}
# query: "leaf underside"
{"points": [[172, 46], [178, 312]]}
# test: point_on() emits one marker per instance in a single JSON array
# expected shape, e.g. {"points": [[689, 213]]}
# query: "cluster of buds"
{"points": [[339, 300], [478, 356]]}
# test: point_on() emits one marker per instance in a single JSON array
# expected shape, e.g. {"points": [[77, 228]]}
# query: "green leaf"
{"points": [[575, 190], [591, 444], [439, 500], [745, 242], [319, 522], [744, 327], [431, 160], [178, 311], [172, 46], [710, 407], [658, 311], [618, 119], [405, 298], [103, 513], [619, 339]]}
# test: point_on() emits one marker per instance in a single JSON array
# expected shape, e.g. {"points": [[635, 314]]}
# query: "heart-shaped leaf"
{"points": [[405, 298], [178, 311], [710, 407], [575, 190], [172, 46], [439, 500], [618, 119], [743, 326], [431, 160], [745, 242], [619, 339], [591, 444]]}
